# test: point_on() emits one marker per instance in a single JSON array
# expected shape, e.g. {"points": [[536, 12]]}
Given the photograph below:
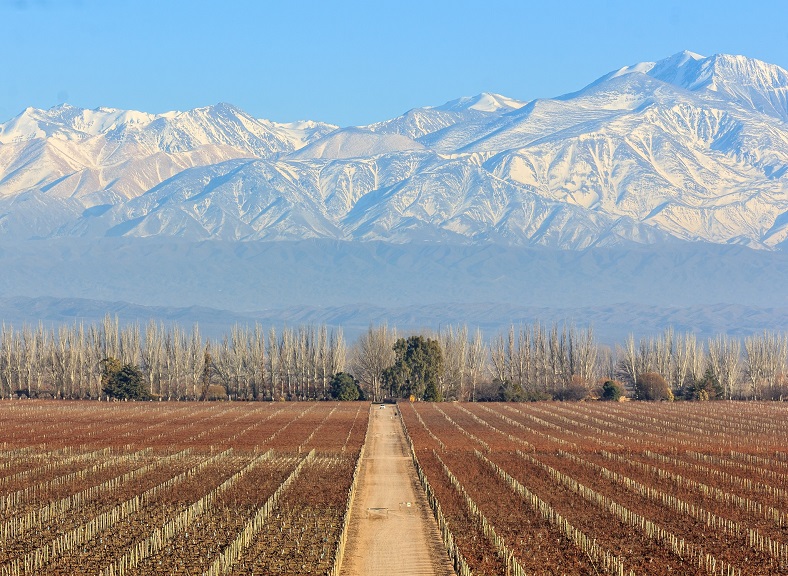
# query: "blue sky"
{"points": [[349, 62]]}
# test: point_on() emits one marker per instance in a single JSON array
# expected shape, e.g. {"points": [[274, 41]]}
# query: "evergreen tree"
{"points": [[705, 388], [417, 370], [344, 387], [124, 382], [612, 391]]}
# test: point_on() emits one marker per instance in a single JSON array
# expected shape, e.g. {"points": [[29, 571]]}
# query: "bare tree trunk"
{"points": [[477, 354], [273, 361], [371, 355], [498, 363]]}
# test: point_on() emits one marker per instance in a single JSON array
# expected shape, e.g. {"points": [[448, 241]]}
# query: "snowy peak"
{"points": [[67, 122], [694, 72], [217, 125], [106, 155], [422, 122], [752, 83], [672, 70], [748, 82], [690, 147], [356, 143], [484, 102], [303, 132]]}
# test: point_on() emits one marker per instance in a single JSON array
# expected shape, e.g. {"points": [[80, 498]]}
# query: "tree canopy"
{"points": [[652, 386], [122, 382], [417, 369], [705, 388], [612, 391], [345, 387]]}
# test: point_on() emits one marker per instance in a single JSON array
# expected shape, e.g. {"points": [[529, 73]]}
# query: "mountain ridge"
{"points": [[687, 147]]}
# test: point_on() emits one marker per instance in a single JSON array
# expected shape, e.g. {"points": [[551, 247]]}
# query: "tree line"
{"points": [[528, 362]]}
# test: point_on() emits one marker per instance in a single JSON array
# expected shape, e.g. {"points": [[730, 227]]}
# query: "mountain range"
{"points": [[689, 147], [657, 157]]}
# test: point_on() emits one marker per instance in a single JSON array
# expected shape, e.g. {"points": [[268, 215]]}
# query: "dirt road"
{"points": [[392, 531]]}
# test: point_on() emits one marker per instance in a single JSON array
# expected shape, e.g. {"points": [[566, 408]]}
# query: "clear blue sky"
{"points": [[350, 62]]}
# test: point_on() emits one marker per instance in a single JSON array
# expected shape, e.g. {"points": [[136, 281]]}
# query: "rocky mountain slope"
{"points": [[688, 148]]}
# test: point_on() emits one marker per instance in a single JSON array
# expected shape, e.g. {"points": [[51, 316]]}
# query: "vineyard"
{"points": [[176, 488], [266, 488], [600, 488]]}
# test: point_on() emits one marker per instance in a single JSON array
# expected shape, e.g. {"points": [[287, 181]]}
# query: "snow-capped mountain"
{"points": [[753, 84], [688, 148], [106, 156]]}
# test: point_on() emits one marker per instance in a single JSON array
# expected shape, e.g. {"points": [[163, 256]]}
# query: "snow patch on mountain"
{"points": [[688, 148], [356, 143], [751, 83], [484, 102]]}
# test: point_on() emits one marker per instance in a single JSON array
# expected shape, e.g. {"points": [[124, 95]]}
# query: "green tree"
{"points": [[124, 382], [432, 393], [109, 367], [612, 391], [705, 388], [417, 369], [509, 391], [345, 387]]}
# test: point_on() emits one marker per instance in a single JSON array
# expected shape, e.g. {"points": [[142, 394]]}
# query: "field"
{"points": [[264, 488], [176, 488], [594, 488]]}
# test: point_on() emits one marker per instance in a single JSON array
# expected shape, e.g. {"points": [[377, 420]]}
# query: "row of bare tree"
{"points": [[247, 363], [755, 367], [529, 362]]}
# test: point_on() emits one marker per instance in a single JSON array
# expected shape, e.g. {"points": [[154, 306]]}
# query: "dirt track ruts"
{"points": [[392, 531]]}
